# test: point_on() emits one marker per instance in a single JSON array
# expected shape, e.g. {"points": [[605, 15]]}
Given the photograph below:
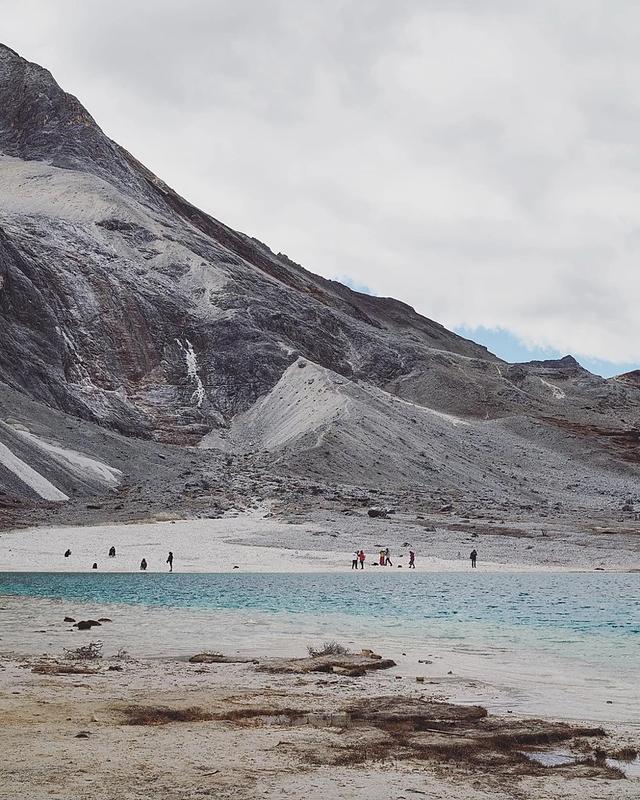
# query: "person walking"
{"points": [[387, 558], [354, 560], [170, 561], [412, 560], [143, 564], [361, 558], [474, 557]]}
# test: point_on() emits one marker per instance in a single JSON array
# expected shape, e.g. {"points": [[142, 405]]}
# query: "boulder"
{"points": [[87, 624], [377, 512]]}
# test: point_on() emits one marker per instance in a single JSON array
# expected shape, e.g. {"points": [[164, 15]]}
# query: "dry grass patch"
{"points": [[328, 649]]}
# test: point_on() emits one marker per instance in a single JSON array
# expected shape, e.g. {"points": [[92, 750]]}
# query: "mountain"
{"points": [[129, 311]]}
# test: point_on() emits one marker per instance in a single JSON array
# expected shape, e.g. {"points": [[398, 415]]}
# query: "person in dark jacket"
{"points": [[143, 564], [170, 561], [474, 557]]}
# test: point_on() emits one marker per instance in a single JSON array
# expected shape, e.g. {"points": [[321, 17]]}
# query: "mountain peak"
{"points": [[39, 121]]}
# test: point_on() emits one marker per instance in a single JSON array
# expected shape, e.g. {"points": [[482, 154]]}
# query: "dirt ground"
{"points": [[247, 733]]}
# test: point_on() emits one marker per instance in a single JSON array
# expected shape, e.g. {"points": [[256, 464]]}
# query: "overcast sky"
{"points": [[479, 159]]}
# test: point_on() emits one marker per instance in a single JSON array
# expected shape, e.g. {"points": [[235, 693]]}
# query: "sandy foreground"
{"points": [[68, 736], [276, 735]]}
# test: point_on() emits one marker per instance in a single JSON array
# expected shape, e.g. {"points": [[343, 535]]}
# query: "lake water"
{"points": [[593, 617]]}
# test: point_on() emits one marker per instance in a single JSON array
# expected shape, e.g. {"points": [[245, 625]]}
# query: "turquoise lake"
{"points": [[586, 615]]}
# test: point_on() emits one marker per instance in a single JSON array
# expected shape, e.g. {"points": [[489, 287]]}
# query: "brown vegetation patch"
{"points": [[163, 715], [409, 729], [412, 714], [626, 442]]}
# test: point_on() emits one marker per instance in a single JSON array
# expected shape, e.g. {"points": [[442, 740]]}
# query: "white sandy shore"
{"points": [[251, 542]]}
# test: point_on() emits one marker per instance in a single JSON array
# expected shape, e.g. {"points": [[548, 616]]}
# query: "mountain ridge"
{"points": [[124, 305]]}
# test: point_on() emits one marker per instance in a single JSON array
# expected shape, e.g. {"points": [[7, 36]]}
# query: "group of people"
{"points": [[143, 563], [384, 559], [169, 561]]}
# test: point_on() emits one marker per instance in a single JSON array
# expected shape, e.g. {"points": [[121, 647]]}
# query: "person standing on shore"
{"points": [[474, 557], [170, 560], [354, 560], [387, 558], [382, 558], [112, 552], [361, 558], [412, 560], [143, 564]]}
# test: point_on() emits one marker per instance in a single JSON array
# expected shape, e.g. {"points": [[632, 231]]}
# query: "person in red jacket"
{"points": [[361, 558]]}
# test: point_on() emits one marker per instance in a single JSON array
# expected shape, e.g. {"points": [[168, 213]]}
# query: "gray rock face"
{"points": [[123, 305]]}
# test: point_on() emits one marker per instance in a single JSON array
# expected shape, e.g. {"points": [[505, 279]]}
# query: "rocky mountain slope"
{"points": [[125, 307]]}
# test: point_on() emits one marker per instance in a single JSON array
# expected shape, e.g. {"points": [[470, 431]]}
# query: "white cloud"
{"points": [[478, 160]]}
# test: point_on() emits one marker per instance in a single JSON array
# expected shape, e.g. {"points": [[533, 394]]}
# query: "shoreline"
{"points": [[531, 680], [258, 543], [249, 747]]}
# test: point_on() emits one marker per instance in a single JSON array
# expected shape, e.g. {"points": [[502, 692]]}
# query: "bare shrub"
{"points": [[328, 649], [87, 652]]}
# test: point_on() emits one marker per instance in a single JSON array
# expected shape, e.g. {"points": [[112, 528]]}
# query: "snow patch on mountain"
{"points": [[38, 483], [556, 391], [191, 359], [77, 463]]}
